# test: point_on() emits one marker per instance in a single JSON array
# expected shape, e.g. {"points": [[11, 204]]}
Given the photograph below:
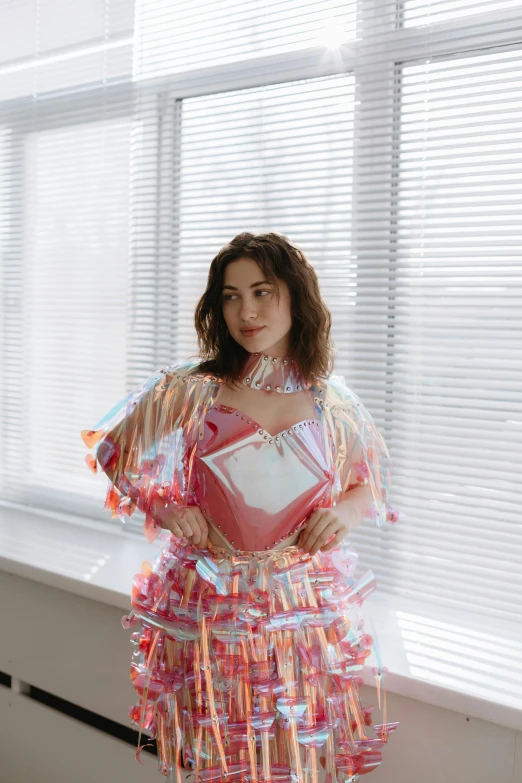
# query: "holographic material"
{"points": [[149, 442], [248, 664], [236, 460], [248, 660], [272, 373]]}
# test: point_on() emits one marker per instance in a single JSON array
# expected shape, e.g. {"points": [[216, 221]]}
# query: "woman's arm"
{"points": [[327, 527], [136, 443], [148, 419], [361, 458], [139, 448], [362, 466], [355, 505]]}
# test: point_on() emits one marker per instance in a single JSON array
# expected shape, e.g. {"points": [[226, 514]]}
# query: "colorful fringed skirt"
{"points": [[247, 664]]}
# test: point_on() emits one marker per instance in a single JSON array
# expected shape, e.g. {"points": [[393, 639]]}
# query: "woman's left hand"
{"points": [[323, 524]]}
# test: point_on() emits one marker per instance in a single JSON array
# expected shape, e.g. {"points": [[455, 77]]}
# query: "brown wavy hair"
{"points": [[310, 342]]}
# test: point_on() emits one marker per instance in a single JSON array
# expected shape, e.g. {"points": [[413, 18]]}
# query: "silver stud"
{"points": [[285, 361], [283, 434], [265, 437], [257, 383], [278, 388], [265, 358], [260, 432], [288, 388], [271, 440], [274, 360], [268, 387]]}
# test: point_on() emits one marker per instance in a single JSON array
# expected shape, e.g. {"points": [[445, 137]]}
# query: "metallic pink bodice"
{"points": [[255, 487]]}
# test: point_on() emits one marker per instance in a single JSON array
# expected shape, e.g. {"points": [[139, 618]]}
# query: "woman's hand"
{"points": [[186, 521], [325, 529]]}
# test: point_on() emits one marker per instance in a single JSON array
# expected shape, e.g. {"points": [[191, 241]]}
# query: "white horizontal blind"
{"points": [[429, 12], [381, 137], [66, 123], [457, 400]]}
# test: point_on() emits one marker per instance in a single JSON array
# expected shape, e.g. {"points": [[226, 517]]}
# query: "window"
{"points": [[382, 137]]}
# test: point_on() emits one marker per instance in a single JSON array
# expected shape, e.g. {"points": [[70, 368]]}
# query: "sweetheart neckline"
{"points": [[278, 435]]}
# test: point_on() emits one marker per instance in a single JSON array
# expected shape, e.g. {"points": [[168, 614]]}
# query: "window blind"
{"points": [[379, 136]]}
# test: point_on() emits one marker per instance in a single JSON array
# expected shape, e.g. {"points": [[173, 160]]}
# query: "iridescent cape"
{"points": [[148, 440]]}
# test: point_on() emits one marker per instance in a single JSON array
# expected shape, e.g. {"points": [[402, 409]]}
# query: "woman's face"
{"points": [[254, 317]]}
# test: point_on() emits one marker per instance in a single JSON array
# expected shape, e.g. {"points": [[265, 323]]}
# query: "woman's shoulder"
{"points": [[333, 390], [189, 371], [181, 369]]}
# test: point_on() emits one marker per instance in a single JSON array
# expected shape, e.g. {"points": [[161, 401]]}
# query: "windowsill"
{"points": [[445, 657]]}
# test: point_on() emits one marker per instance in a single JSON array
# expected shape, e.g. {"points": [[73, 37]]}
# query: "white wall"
{"points": [[76, 649]]}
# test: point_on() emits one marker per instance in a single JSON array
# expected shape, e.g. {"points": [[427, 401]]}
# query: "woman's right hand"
{"points": [[186, 521]]}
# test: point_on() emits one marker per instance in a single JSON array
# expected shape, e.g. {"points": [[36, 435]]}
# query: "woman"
{"points": [[259, 462]]}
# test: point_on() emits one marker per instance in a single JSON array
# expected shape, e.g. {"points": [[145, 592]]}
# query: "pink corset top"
{"points": [[257, 488]]}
